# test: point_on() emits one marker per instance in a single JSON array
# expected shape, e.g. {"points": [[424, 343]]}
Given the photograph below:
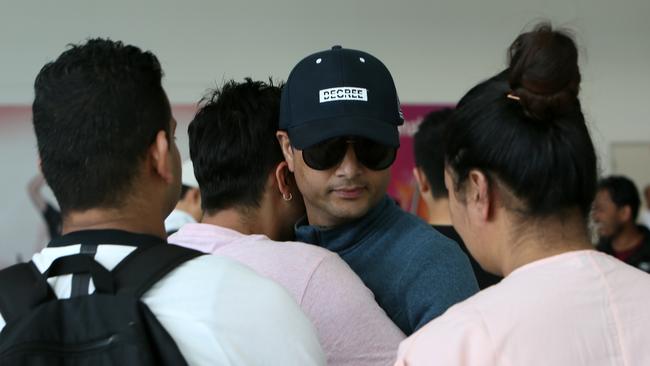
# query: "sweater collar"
{"points": [[341, 237]]}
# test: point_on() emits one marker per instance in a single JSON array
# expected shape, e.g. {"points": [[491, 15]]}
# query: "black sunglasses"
{"points": [[329, 153]]}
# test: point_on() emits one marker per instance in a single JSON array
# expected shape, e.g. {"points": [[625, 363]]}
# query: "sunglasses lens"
{"points": [[326, 154], [374, 155], [329, 153]]}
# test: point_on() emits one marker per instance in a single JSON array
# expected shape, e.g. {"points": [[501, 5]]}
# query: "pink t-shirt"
{"points": [[581, 308], [352, 328]]}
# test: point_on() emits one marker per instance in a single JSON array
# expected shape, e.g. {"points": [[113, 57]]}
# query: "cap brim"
{"points": [[313, 132]]}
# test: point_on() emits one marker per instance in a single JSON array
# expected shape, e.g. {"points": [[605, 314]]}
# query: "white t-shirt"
{"points": [[217, 311], [581, 308]]}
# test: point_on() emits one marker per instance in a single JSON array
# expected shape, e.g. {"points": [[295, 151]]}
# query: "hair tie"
{"points": [[513, 97]]}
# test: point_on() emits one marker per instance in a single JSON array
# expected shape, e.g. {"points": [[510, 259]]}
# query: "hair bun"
{"points": [[544, 72]]}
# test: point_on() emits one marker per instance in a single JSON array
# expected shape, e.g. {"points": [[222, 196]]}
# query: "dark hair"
{"points": [[97, 109], [525, 128], [429, 149], [622, 191], [233, 144]]}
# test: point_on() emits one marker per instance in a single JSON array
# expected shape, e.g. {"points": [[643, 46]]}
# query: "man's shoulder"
{"points": [[309, 255], [305, 249], [429, 254], [204, 237], [212, 271], [272, 258], [415, 241], [410, 222], [424, 237], [221, 276], [255, 249]]}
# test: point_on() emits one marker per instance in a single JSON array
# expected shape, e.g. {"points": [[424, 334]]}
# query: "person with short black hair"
{"points": [[616, 208], [105, 135], [521, 171], [339, 121], [429, 174], [252, 201]]}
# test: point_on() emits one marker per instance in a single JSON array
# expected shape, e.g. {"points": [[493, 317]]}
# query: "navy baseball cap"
{"points": [[340, 92]]}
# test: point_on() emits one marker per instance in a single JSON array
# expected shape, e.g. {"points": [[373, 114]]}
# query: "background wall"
{"points": [[436, 50]]}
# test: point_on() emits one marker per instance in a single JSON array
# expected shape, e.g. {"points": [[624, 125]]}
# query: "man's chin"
{"points": [[352, 210]]}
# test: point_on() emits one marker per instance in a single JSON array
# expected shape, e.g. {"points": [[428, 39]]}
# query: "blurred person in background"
{"points": [[429, 173], [615, 212]]}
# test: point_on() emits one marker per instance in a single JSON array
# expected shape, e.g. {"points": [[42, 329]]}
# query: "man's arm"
{"points": [[434, 280], [352, 327]]}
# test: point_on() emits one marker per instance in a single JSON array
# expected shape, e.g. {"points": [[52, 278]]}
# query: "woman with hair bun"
{"points": [[522, 173]]}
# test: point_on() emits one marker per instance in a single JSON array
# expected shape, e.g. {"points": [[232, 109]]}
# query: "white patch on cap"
{"points": [[318, 61], [343, 93], [362, 59]]}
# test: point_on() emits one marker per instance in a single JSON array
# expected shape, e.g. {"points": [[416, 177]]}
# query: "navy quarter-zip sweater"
{"points": [[415, 272]]}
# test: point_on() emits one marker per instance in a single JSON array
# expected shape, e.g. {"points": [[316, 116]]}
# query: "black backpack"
{"points": [[112, 326]]}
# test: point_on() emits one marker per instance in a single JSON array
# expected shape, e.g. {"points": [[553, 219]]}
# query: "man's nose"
{"points": [[350, 165]]}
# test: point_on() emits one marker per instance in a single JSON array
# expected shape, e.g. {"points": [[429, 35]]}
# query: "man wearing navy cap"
{"points": [[338, 131]]}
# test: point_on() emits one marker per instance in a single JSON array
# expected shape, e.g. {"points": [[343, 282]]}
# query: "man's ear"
{"points": [[284, 179], [287, 150], [422, 181], [161, 159], [478, 196]]}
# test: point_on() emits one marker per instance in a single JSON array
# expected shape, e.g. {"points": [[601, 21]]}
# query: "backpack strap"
{"points": [[82, 263], [22, 287], [146, 265]]}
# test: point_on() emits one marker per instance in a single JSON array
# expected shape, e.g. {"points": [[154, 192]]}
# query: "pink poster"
{"points": [[402, 186]]}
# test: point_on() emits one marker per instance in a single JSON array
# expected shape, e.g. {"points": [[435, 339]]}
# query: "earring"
{"points": [[284, 197]]}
